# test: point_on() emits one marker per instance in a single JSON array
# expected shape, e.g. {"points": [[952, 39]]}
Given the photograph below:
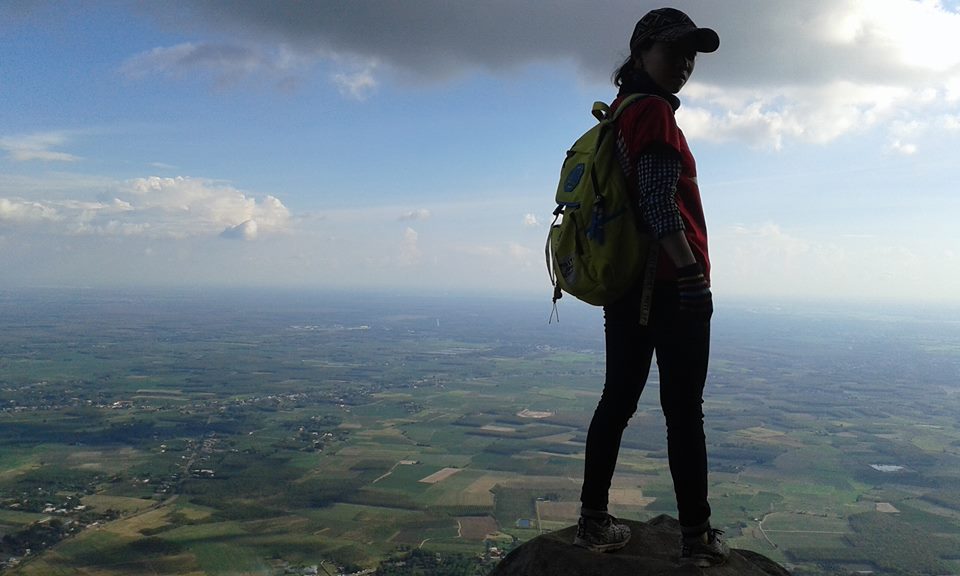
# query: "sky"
{"points": [[416, 145]]}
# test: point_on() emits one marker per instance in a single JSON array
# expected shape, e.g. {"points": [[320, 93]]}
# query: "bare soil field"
{"points": [[476, 527], [439, 475]]}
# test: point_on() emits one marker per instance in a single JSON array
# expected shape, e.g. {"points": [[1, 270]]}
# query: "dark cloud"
{"points": [[762, 42], [428, 37]]}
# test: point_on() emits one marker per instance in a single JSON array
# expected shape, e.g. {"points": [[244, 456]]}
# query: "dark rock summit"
{"points": [[653, 550]]}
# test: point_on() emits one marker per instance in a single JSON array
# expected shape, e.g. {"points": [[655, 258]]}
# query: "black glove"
{"points": [[695, 297]]}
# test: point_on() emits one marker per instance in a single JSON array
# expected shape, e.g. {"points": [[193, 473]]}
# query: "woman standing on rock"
{"points": [[658, 164]]}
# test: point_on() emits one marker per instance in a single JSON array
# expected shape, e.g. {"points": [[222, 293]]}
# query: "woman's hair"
{"points": [[622, 71], [629, 64]]}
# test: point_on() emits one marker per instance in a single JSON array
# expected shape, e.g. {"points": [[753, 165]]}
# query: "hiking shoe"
{"points": [[705, 550], [601, 534]]}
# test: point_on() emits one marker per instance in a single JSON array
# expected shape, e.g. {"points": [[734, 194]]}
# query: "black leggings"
{"points": [[682, 345]]}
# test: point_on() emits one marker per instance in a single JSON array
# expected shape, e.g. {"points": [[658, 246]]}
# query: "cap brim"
{"points": [[701, 39], [705, 39]]}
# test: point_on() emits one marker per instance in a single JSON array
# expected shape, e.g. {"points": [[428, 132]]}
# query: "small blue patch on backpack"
{"points": [[573, 179]]}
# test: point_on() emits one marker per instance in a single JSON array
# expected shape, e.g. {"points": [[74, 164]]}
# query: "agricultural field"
{"points": [[253, 433]]}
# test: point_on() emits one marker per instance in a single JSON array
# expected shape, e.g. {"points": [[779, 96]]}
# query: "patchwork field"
{"points": [[165, 436]]}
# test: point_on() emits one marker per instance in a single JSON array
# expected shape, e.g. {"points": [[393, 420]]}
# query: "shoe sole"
{"points": [[577, 541]]}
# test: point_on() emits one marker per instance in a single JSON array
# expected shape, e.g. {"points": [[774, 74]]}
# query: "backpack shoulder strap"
{"points": [[626, 103], [600, 111]]}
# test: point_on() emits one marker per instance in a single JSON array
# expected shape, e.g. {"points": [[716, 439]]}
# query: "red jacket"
{"points": [[649, 125]]}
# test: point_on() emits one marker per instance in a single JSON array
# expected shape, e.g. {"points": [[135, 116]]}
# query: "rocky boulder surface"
{"points": [[653, 550]]}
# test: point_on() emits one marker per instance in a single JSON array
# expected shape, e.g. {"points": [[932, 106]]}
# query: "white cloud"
{"points": [[519, 252], [905, 148], [229, 63], [765, 260], [531, 221], [226, 63], [813, 114], [110, 228], [20, 211], [924, 33], [357, 85], [359, 82], [156, 207], [903, 136], [246, 230], [205, 205], [827, 70], [409, 248], [37, 146], [950, 122], [505, 256]]}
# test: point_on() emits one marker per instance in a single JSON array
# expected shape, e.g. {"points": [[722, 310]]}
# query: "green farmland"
{"points": [[164, 434]]}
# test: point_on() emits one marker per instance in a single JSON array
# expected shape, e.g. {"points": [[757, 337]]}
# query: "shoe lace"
{"points": [[713, 534], [604, 521]]}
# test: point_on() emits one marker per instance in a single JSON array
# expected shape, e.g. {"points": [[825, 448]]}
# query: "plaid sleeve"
{"points": [[657, 176]]}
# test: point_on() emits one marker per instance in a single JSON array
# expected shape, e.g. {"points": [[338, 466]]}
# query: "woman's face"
{"points": [[669, 64]]}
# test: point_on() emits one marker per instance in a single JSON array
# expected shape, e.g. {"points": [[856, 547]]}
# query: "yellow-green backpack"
{"points": [[596, 247]]}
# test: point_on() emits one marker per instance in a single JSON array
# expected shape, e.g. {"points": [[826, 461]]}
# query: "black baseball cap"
{"points": [[672, 25]]}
